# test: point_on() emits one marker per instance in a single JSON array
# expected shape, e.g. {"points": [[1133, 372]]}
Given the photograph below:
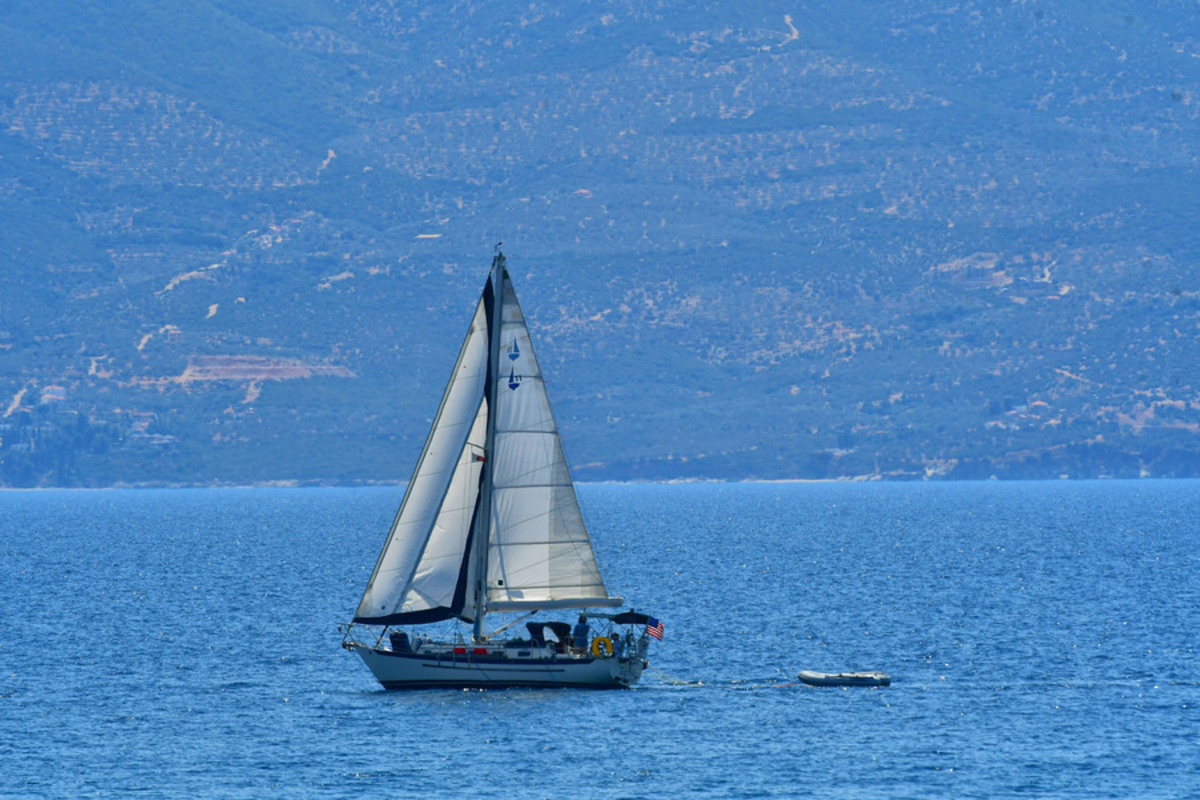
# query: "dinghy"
{"points": [[845, 678]]}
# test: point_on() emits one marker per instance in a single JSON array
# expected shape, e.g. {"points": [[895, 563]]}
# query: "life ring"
{"points": [[602, 643]]}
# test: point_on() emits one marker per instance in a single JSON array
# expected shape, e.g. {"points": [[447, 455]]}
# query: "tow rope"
{"points": [[757, 683]]}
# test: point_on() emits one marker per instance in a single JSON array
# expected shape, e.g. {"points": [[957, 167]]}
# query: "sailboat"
{"points": [[490, 527]]}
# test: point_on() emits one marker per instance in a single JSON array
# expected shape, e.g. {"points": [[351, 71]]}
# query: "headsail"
{"points": [[537, 554], [423, 574]]}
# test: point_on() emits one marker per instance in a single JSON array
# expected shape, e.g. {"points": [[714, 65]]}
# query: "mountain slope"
{"points": [[922, 240]]}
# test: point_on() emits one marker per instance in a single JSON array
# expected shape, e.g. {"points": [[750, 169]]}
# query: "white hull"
{"points": [[496, 671]]}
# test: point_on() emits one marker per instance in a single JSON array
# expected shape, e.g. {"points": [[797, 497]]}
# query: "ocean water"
{"points": [[1042, 640]]}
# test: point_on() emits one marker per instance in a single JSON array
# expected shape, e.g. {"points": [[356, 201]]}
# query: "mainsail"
{"points": [[504, 479], [539, 553]]}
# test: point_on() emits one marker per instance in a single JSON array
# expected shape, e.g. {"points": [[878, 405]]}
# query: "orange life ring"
{"points": [[602, 643]]}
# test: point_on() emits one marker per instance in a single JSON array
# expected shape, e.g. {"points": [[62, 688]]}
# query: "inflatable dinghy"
{"points": [[845, 678]]}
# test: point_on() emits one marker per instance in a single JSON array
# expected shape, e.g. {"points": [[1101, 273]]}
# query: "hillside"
{"points": [[243, 240]]}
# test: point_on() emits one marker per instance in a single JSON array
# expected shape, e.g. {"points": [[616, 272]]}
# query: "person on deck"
{"points": [[581, 634]]}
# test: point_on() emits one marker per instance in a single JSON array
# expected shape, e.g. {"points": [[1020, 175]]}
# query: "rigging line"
{"points": [[561, 504], [531, 430], [514, 486], [539, 542], [515, 481]]}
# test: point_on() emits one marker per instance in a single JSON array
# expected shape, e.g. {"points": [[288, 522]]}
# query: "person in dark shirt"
{"points": [[582, 633]]}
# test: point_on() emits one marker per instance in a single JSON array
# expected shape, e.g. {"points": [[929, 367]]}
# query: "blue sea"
{"points": [[1041, 637]]}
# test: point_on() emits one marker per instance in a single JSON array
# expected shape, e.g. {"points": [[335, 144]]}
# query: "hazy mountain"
{"points": [[242, 240]]}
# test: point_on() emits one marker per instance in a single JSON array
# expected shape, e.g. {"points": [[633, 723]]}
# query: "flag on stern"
{"points": [[654, 628]]}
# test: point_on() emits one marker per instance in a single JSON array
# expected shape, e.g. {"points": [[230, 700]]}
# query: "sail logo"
{"points": [[514, 353]]}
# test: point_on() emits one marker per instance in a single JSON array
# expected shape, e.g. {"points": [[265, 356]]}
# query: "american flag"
{"points": [[654, 628]]}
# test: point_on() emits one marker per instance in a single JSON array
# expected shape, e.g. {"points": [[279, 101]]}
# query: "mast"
{"points": [[484, 519]]}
